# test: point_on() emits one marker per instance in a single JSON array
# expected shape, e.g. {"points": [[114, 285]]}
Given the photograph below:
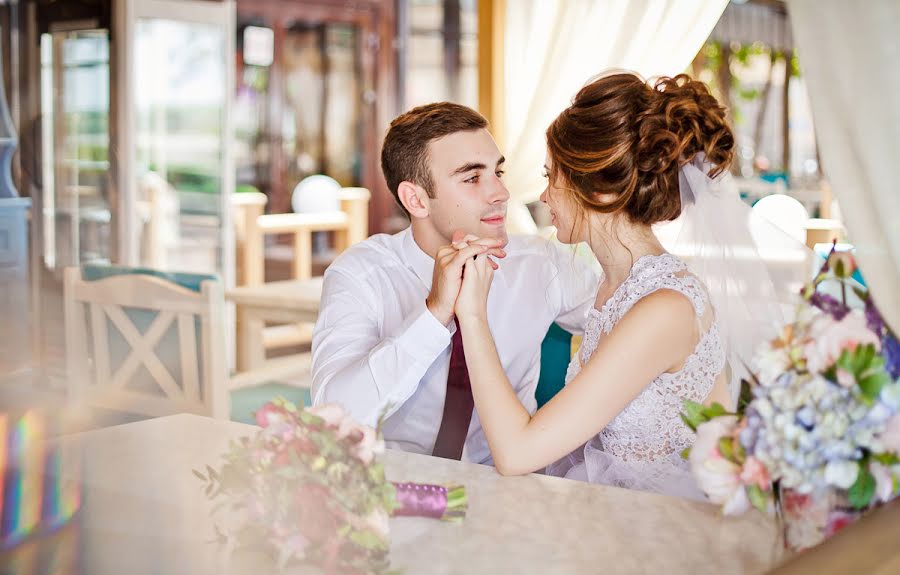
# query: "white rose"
{"points": [[771, 362]]}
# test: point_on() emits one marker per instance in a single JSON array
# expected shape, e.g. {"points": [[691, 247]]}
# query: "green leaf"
{"points": [[368, 539], [686, 453], [871, 383], [714, 410], [745, 397], [861, 492], [692, 414], [887, 458], [758, 498], [725, 448]]}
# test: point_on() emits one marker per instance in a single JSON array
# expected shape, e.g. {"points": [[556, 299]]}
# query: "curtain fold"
{"points": [[850, 57], [553, 47]]}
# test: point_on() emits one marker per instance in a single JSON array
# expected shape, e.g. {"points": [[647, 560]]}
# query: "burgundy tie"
{"points": [[458, 405]]}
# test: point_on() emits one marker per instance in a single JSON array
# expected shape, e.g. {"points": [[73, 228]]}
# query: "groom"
{"points": [[386, 342]]}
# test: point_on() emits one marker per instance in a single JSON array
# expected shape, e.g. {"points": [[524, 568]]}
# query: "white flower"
{"points": [[829, 338], [378, 522], [771, 362], [719, 478], [890, 395], [841, 473]]}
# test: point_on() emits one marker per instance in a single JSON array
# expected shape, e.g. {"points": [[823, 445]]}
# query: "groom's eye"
{"points": [[500, 173], [472, 180]]}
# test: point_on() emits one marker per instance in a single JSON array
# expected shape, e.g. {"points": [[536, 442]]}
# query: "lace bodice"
{"points": [[649, 434]]}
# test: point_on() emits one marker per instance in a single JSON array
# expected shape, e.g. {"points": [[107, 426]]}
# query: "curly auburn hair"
{"points": [[620, 144]]}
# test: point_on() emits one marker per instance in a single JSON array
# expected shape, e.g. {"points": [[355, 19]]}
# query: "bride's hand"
{"points": [[476, 284]]}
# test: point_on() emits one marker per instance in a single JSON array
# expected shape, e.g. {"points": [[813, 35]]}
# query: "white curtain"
{"points": [[553, 47], [850, 57]]}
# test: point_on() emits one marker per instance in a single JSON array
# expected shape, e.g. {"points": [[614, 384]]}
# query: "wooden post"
{"points": [[302, 265], [250, 205], [491, 37], [355, 203]]}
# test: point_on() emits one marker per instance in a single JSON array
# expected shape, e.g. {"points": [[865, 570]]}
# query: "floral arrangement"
{"points": [[309, 487], [816, 435]]}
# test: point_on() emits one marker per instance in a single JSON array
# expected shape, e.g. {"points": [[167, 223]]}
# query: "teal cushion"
{"points": [[556, 351], [191, 281], [245, 402]]}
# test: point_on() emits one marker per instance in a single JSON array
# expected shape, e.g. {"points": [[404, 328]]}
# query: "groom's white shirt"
{"points": [[376, 346]]}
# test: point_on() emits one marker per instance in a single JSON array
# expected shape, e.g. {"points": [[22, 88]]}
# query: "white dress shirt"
{"points": [[378, 351]]}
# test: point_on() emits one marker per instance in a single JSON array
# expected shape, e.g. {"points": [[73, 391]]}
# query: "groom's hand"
{"points": [[449, 261]]}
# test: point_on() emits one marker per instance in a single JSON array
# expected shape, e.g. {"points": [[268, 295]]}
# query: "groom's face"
{"points": [[469, 194]]}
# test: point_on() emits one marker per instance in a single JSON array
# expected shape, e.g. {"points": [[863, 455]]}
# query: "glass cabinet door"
{"points": [[180, 174]]}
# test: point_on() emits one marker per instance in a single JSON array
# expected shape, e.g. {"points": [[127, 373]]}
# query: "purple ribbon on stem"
{"points": [[434, 501]]}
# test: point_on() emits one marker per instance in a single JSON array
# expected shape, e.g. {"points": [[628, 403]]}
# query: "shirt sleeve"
{"points": [[577, 281], [357, 366]]}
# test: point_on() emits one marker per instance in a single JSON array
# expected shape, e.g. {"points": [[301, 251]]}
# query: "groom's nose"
{"points": [[498, 192]]}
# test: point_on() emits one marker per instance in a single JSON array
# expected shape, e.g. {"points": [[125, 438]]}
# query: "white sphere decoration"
{"points": [[318, 193]]}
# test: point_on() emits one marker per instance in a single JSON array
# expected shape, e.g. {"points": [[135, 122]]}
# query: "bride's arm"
{"points": [[653, 337]]}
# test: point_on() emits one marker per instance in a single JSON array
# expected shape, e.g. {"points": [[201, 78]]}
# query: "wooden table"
{"points": [[285, 302], [144, 512]]}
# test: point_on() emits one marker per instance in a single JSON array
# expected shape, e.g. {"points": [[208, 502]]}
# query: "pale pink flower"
{"points": [[369, 446], [845, 258], [884, 482], [754, 472], [719, 478], [829, 338], [332, 413], [890, 437]]}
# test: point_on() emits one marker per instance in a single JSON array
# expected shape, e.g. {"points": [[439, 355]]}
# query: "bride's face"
{"points": [[565, 213]]}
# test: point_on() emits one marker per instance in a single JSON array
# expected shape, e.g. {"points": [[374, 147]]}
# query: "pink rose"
{"points": [[890, 437], [271, 414], [829, 338], [754, 472], [717, 477]]}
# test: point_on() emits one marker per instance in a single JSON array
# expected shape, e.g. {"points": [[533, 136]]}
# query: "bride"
{"points": [[653, 339]]}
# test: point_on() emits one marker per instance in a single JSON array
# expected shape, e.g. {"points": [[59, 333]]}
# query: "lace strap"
{"points": [[687, 285]]}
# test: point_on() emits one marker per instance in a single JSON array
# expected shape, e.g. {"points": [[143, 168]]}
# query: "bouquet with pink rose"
{"points": [[816, 435], [309, 487]]}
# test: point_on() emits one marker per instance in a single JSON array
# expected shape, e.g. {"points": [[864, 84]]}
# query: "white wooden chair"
{"points": [[181, 371]]}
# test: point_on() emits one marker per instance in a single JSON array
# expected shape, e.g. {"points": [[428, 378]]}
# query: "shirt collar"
{"points": [[422, 264]]}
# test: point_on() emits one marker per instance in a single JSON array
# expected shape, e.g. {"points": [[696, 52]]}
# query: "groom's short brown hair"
{"points": [[404, 155]]}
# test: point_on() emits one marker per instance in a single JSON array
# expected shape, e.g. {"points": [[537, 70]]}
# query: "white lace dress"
{"points": [[641, 448]]}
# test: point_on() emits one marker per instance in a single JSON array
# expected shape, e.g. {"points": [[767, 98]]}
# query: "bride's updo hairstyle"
{"points": [[619, 146]]}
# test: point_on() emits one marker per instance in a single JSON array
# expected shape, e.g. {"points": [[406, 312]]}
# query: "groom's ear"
{"points": [[414, 199]]}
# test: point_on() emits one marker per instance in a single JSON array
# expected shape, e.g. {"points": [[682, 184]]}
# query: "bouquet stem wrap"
{"points": [[447, 503]]}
